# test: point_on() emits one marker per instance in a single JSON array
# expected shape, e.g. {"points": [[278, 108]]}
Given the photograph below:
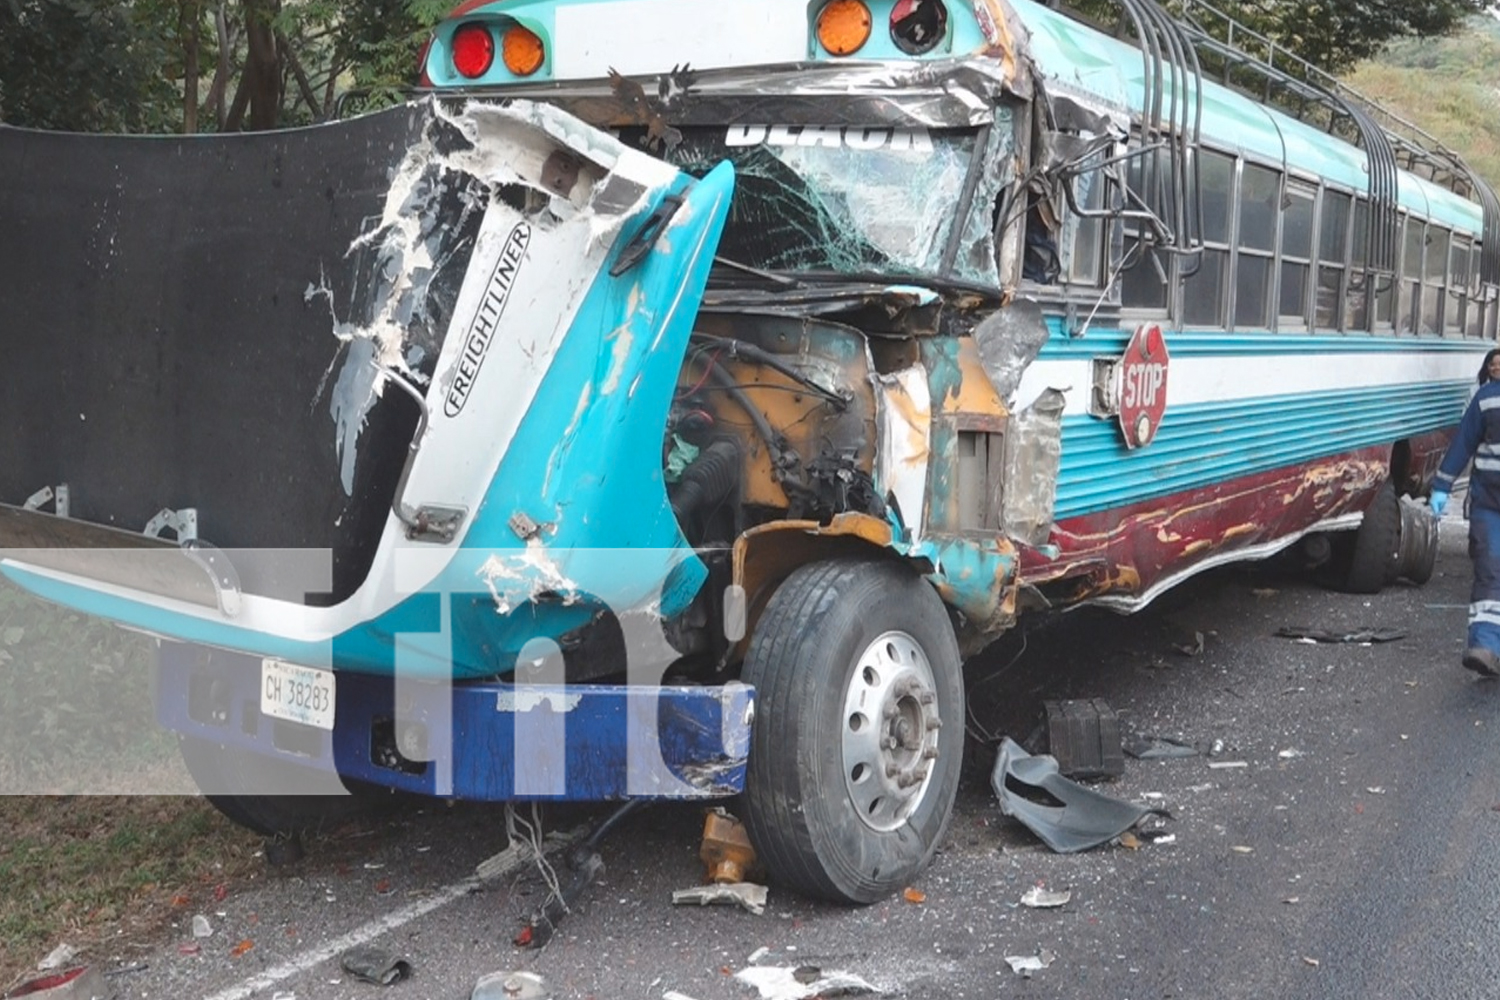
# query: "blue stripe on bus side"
{"points": [[1102, 343], [1216, 442]]}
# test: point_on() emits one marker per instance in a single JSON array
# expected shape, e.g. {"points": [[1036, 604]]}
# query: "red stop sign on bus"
{"points": [[1143, 385]]}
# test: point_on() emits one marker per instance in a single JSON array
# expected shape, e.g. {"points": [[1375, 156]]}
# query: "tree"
{"points": [[139, 65], [1331, 34]]}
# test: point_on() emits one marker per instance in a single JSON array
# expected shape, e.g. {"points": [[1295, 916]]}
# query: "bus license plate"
{"points": [[296, 693]]}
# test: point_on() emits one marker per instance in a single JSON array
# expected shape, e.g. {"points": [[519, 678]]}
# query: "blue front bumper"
{"points": [[485, 741]]}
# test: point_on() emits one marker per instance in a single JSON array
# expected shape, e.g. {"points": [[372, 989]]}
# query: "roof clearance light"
{"points": [[522, 51], [844, 27], [473, 50], [917, 26]]}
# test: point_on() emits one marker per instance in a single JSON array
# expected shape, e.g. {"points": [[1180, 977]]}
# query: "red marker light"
{"points": [[473, 50]]}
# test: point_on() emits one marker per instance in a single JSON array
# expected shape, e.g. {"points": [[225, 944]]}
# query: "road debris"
{"points": [[1222, 765], [80, 983], [758, 954], [777, 982], [746, 894], [726, 850], [1362, 636], [201, 927], [1242, 849], [1158, 748], [1041, 899], [674, 995], [57, 958], [241, 948], [1289, 753], [1025, 965], [1195, 648], [914, 895], [1067, 816], [375, 965], [511, 986], [1084, 736], [1311, 961]]}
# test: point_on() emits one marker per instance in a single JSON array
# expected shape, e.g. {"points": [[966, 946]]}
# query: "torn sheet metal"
{"points": [[1033, 455], [1067, 816], [747, 895], [904, 405], [1009, 340]]}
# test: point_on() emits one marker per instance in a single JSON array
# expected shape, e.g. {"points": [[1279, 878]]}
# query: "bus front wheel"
{"points": [[858, 733]]}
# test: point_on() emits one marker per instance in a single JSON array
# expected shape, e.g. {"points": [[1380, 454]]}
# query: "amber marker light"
{"points": [[844, 27], [522, 51]]}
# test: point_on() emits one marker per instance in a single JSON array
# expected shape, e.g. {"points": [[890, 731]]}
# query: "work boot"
{"points": [[1482, 662]]}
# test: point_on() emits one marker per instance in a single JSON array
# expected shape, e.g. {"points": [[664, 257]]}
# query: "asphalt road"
{"points": [[1353, 855]]}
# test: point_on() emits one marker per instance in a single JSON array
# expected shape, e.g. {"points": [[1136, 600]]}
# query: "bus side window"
{"points": [[1260, 198], [1357, 302], [1296, 255], [1333, 253], [1408, 307], [1458, 287], [1432, 280], [1205, 287], [1142, 285]]}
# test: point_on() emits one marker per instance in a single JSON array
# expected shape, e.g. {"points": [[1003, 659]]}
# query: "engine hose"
{"points": [[708, 481]]}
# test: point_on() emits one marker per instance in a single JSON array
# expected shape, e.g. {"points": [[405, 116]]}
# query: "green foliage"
{"points": [[137, 65], [65, 65], [1331, 34], [1447, 87]]}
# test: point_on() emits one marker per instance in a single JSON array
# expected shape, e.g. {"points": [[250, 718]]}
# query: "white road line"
{"points": [[510, 860]]}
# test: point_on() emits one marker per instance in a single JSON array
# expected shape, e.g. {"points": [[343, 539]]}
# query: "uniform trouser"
{"points": [[1484, 598]]}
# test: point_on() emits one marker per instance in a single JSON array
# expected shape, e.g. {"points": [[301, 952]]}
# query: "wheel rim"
{"points": [[890, 731]]}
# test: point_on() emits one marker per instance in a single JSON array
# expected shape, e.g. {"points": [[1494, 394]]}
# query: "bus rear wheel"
{"points": [[858, 733], [1367, 559]]}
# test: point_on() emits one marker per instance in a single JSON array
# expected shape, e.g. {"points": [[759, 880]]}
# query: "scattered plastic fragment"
{"points": [[1292, 900], [1159, 836], [674, 995], [1289, 753], [375, 965], [1376, 790], [511, 986], [201, 927], [1311, 961], [746, 894], [1158, 748], [758, 954], [1041, 899], [1130, 841], [1359, 635], [914, 895], [1067, 816], [1220, 765], [241, 948], [80, 983], [221, 891], [189, 948], [788, 983], [1025, 965], [1195, 648], [1242, 849], [57, 958]]}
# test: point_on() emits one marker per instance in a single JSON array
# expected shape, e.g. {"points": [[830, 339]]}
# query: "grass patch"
{"points": [[86, 870]]}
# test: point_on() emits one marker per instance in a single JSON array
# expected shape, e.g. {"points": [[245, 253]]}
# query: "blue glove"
{"points": [[1439, 502]]}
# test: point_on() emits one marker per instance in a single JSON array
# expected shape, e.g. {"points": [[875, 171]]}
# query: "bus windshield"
{"points": [[850, 200]]}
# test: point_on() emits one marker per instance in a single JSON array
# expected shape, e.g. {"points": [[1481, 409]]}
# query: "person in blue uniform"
{"points": [[1479, 439]]}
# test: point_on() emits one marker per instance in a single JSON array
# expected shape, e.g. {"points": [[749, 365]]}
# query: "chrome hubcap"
{"points": [[890, 731]]}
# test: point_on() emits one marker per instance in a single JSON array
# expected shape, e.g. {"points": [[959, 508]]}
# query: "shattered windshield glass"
{"points": [[852, 200]]}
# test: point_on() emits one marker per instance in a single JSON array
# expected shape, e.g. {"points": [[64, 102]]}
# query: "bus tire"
{"points": [[225, 775], [858, 735], [1375, 555]]}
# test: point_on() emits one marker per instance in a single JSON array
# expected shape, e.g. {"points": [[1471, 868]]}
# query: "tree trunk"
{"points": [[262, 76], [190, 15]]}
